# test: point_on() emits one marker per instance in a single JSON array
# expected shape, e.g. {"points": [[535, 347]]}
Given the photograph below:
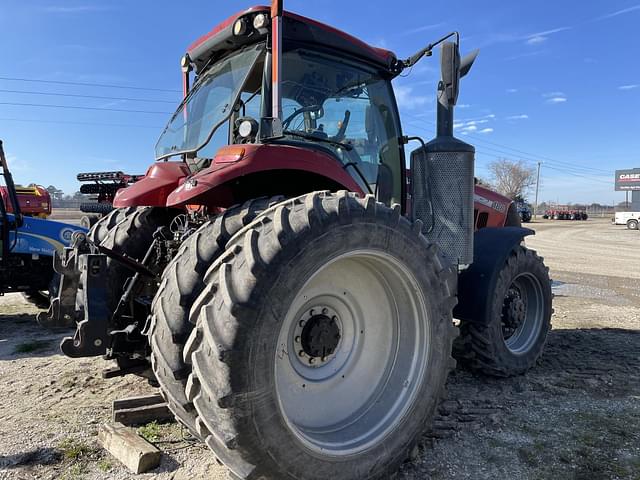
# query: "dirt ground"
{"points": [[574, 416]]}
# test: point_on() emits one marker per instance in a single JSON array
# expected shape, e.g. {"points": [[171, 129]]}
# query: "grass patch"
{"points": [[151, 432], [30, 347], [105, 465], [73, 449], [75, 472]]}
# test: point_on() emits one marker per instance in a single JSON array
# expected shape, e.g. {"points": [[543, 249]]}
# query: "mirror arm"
{"points": [[426, 51]]}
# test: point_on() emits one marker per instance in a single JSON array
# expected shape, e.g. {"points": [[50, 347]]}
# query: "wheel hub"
{"points": [[514, 312], [320, 336], [317, 336]]}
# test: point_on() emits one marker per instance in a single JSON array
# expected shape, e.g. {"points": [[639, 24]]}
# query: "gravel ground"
{"points": [[575, 416]]}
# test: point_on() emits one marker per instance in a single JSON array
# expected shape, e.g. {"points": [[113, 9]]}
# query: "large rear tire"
{"points": [[101, 228], [324, 344], [511, 337], [182, 282], [132, 236]]}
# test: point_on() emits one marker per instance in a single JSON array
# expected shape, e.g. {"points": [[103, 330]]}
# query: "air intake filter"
{"points": [[443, 194]]}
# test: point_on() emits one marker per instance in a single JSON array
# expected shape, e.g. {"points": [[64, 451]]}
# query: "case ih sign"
{"points": [[628, 180]]}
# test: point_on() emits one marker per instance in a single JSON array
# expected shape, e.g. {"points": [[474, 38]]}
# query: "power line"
{"points": [[87, 84], [16, 104], [577, 175], [75, 95], [553, 168], [560, 162], [65, 122]]}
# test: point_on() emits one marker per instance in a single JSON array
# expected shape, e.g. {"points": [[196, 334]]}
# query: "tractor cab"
{"points": [[336, 100]]}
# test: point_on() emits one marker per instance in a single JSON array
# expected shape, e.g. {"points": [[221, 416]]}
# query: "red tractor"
{"points": [[292, 289]]}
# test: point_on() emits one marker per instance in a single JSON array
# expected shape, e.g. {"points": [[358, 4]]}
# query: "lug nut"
{"points": [[301, 323], [298, 339], [301, 353], [325, 311], [312, 361]]}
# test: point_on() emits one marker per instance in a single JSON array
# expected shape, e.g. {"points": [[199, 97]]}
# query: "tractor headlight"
{"points": [[248, 128], [240, 27], [260, 21]]}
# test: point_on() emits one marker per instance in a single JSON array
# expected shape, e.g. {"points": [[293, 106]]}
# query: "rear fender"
{"points": [[490, 208], [154, 188], [221, 185], [476, 284]]}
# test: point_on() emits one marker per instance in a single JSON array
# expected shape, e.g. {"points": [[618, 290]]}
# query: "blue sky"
{"points": [[556, 82]]}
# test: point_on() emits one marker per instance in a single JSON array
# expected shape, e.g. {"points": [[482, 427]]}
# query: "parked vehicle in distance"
{"points": [[565, 214], [104, 186], [630, 219], [525, 212], [34, 200]]}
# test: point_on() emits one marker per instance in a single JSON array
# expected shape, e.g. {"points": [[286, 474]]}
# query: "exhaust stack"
{"points": [[276, 51], [443, 170]]}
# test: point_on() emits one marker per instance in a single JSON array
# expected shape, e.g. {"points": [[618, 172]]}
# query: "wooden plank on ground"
{"points": [[129, 448], [141, 415], [133, 402]]}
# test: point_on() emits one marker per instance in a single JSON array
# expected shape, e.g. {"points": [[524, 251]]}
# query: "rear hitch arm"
{"points": [[91, 334]]}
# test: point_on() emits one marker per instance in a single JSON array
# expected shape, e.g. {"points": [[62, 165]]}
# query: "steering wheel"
{"points": [[343, 127], [309, 108]]}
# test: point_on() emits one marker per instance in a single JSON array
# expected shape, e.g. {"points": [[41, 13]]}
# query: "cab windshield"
{"points": [[348, 109], [208, 106]]}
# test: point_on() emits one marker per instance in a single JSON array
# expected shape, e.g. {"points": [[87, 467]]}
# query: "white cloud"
{"points": [[523, 116], [536, 40], [556, 100], [463, 105], [477, 122], [549, 32], [553, 94], [424, 28], [629, 87], [541, 37], [486, 130], [619, 12], [512, 90], [407, 99]]}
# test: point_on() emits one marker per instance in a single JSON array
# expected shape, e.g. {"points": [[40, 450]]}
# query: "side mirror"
{"points": [[450, 68]]}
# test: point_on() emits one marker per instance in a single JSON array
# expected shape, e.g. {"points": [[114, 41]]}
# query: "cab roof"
{"points": [[296, 28]]}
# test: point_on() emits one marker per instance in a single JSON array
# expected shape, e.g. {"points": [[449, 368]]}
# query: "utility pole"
{"points": [[535, 208]]}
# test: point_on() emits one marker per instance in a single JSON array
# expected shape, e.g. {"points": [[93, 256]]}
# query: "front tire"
{"points": [[182, 282], [324, 347], [508, 338]]}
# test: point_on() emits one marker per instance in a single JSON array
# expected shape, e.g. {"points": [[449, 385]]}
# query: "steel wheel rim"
{"points": [[352, 401], [522, 339]]}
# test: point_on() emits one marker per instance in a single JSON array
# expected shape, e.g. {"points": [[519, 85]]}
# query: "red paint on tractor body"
{"points": [[211, 186], [154, 188], [491, 204], [381, 55]]}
